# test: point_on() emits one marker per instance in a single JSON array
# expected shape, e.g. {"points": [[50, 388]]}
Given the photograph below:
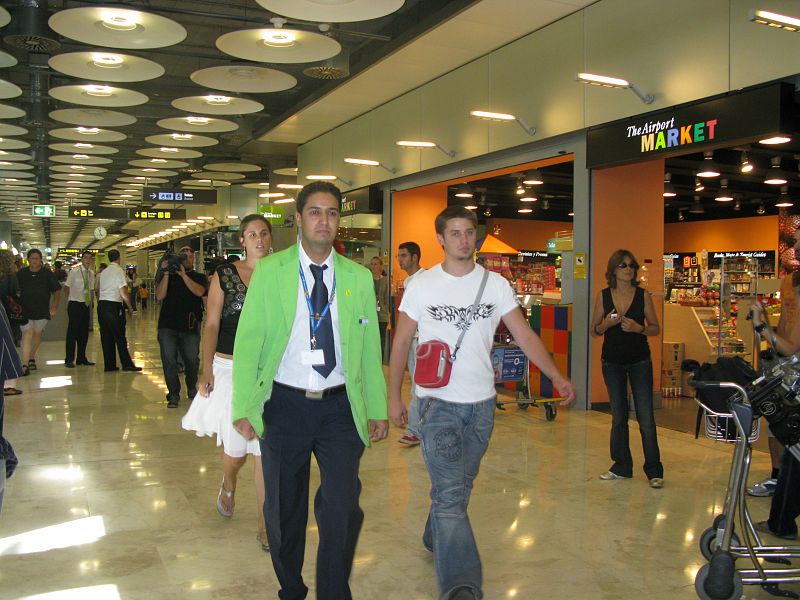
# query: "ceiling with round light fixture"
{"points": [[349, 11], [117, 87]]}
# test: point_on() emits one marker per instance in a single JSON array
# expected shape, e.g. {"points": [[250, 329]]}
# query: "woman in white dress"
{"points": [[210, 412]]}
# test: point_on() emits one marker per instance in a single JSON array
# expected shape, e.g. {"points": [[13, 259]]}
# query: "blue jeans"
{"points": [[454, 439], [640, 375], [187, 344]]}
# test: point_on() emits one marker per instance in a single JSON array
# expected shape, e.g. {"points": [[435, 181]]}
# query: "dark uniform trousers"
{"points": [[295, 428], [111, 318], [77, 331]]}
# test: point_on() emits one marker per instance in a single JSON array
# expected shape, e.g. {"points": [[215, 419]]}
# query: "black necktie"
{"points": [[324, 334]]}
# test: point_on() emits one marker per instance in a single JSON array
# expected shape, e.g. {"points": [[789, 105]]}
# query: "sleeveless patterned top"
{"points": [[234, 291]]}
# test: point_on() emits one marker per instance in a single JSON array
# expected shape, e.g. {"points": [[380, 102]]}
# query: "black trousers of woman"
{"points": [[640, 375]]}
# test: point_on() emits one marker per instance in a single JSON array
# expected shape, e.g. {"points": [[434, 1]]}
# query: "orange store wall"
{"points": [[527, 234], [629, 213], [723, 235], [414, 212]]}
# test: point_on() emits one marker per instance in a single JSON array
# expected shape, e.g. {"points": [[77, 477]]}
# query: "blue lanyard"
{"points": [[316, 320]]}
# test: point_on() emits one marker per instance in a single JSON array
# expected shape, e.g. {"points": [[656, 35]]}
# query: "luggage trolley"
{"points": [[511, 365], [732, 535]]}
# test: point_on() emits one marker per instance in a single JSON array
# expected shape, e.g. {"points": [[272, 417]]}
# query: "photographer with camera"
{"points": [[180, 289]]}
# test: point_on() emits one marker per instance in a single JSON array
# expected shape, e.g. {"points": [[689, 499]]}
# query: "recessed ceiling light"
{"points": [[290, 186], [278, 38], [778, 139], [120, 20], [168, 149], [88, 130], [233, 216], [528, 198], [321, 177], [271, 195], [181, 136], [83, 145], [524, 210], [107, 60], [218, 100], [192, 120], [148, 170], [99, 90]]}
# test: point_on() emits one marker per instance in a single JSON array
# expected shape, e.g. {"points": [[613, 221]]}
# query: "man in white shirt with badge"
{"points": [[112, 294], [79, 290], [408, 256], [456, 419]]}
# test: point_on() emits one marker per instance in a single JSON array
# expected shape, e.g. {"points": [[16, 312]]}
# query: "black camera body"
{"points": [[174, 261]]}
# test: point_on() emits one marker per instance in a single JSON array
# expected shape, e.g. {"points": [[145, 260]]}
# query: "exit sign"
{"points": [[44, 210]]}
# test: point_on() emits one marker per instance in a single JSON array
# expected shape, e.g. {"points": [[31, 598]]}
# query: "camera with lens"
{"points": [[173, 260]]}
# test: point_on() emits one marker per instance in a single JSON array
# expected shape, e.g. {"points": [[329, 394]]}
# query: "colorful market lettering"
{"points": [[657, 135], [348, 205]]}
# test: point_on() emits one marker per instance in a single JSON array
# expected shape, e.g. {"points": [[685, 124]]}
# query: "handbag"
{"points": [[434, 359], [13, 307]]}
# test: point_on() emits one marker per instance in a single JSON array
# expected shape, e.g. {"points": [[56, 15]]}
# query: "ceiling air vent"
{"points": [[337, 67], [29, 30]]}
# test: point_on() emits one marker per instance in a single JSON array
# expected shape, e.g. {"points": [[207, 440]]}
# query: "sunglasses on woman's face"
{"points": [[625, 265]]}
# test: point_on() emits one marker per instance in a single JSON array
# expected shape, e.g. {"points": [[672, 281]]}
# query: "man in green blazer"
{"points": [[307, 379]]}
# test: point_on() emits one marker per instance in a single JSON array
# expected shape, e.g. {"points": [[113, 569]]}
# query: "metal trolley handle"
{"points": [[741, 410]]}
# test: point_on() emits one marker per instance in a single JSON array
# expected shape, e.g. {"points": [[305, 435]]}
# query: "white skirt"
{"points": [[213, 415]]}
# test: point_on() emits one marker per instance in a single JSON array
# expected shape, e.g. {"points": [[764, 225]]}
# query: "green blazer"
{"points": [[265, 326]]}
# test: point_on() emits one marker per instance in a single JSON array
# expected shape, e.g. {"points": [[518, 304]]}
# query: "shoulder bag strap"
{"points": [[471, 312]]}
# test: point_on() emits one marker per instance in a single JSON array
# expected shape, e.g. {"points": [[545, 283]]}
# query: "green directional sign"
{"points": [[44, 210]]}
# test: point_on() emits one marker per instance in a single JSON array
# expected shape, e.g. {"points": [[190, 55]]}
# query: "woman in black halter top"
{"points": [[624, 316], [210, 412]]}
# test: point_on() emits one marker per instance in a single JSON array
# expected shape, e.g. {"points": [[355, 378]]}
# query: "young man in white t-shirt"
{"points": [[456, 420], [408, 257]]}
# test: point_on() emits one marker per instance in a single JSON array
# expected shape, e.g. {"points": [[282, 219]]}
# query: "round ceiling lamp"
{"points": [[286, 171], [80, 134], [9, 90], [12, 144], [217, 104], [6, 175], [78, 176], [97, 95], [106, 66], [5, 17], [142, 179], [10, 112], [83, 147], [117, 27], [76, 168], [7, 60], [8, 129], [70, 159], [150, 172], [6, 165], [15, 156], [217, 176], [93, 117], [244, 78], [169, 152], [181, 140], [198, 124], [278, 45], [260, 185], [204, 183], [158, 163], [233, 167], [332, 11], [77, 184]]}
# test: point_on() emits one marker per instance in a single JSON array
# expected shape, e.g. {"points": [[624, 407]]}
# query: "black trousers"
{"points": [[785, 507], [111, 318], [296, 428], [77, 331]]}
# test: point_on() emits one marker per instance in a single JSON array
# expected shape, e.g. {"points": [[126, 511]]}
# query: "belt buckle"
{"points": [[312, 395]]}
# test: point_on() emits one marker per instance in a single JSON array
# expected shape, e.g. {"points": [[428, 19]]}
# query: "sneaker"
{"points": [[763, 527], [763, 489], [609, 475], [409, 440], [172, 402], [656, 483], [462, 593]]}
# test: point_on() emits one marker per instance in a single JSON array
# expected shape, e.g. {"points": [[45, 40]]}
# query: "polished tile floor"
{"points": [[114, 500]]}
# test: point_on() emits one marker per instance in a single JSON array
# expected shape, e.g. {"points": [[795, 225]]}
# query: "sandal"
{"points": [[11, 392], [25, 370], [32, 365], [225, 512], [261, 538]]}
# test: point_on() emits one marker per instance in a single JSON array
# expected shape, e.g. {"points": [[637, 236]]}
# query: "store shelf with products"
{"points": [[704, 335]]}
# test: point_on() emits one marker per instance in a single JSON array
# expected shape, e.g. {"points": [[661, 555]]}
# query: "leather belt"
{"points": [[311, 394]]}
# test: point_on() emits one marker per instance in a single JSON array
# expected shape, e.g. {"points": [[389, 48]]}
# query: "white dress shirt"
{"points": [[292, 371], [75, 283], [111, 280]]}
